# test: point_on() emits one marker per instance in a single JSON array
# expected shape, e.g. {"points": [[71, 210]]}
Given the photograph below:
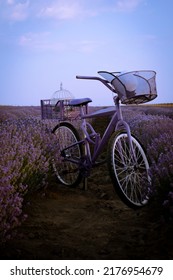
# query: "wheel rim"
{"points": [[132, 175], [66, 171]]}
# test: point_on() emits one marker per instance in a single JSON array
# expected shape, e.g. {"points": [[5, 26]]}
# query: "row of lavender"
{"points": [[25, 160], [156, 134], [26, 146]]}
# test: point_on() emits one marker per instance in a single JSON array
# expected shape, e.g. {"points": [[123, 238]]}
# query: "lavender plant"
{"points": [[24, 166], [156, 134]]}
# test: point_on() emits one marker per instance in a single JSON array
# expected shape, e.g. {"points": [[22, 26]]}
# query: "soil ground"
{"points": [[66, 223]]}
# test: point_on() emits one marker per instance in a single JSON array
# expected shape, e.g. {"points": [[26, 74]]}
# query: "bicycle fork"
{"points": [[121, 123], [129, 137]]}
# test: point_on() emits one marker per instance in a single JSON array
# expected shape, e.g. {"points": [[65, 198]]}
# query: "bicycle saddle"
{"points": [[79, 102]]}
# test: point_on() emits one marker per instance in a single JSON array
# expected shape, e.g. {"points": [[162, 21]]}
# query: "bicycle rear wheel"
{"points": [[129, 175], [66, 160]]}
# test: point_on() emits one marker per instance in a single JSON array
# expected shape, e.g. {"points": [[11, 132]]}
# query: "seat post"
{"points": [[86, 108], [85, 183], [82, 113]]}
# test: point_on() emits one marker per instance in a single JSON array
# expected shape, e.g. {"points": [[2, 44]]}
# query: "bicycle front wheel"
{"points": [[68, 154], [129, 173]]}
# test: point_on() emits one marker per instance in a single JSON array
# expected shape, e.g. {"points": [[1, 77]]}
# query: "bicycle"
{"points": [[126, 158]]}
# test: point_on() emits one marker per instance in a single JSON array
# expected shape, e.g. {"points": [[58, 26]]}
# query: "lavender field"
{"points": [[24, 162], [27, 145]]}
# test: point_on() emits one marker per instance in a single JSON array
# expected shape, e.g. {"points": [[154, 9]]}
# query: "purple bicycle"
{"points": [[126, 159]]}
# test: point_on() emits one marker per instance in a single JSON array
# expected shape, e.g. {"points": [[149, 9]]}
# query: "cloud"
{"points": [[61, 10], [45, 41], [17, 10], [10, 2], [127, 5], [39, 42], [20, 10]]}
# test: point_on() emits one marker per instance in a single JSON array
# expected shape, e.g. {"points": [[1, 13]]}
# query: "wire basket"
{"points": [[135, 87], [60, 111]]}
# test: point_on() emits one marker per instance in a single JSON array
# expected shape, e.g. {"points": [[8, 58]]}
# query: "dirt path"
{"points": [[74, 224]]}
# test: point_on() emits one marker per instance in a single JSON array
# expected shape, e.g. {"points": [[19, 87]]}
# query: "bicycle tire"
{"points": [[130, 178], [67, 172]]}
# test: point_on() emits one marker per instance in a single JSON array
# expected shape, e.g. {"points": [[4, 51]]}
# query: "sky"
{"points": [[46, 42]]}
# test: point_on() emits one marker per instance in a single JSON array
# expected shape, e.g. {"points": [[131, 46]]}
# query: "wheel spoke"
{"points": [[130, 169], [66, 170]]}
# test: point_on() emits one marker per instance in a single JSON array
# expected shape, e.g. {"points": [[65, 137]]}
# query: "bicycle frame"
{"points": [[115, 123], [94, 138]]}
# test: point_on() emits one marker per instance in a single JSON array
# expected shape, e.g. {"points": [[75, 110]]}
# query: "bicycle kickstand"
{"points": [[85, 183]]}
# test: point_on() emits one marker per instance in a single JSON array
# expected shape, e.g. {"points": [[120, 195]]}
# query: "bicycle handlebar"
{"points": [[105, 82], [88, 77]]}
